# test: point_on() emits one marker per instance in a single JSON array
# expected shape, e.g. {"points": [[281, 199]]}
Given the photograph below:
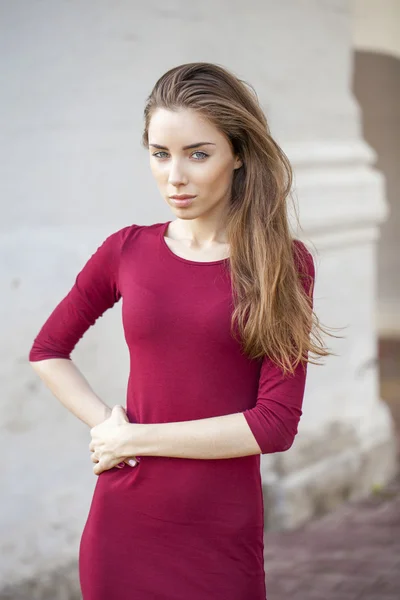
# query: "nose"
{"points": [[176, 175]]}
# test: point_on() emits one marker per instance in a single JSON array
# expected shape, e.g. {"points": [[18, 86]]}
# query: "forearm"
{"points": [[71, 388], [228, 436]]}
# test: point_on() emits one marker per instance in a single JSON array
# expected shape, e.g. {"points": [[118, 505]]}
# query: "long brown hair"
{"points": [[273, 307]]}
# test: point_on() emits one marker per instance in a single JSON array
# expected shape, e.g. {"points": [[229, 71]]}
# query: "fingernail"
{"points": [[132, 462], [120, 465]]}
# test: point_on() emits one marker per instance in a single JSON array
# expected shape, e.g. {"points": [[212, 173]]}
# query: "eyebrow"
{"points": [[185, 147]]}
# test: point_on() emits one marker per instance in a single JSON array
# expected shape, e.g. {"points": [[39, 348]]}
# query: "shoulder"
{"points": [[304, 263], [119, 237], [303, 258], [122, 237]]}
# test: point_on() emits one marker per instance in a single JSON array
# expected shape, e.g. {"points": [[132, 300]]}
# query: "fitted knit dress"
{"points": [[173, 528]]}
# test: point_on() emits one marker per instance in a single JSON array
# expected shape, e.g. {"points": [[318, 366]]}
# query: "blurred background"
{"points": [[74, 79]]}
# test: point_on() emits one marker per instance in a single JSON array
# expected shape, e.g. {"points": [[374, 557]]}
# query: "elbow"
{"points": [[36, 363], [276, 443], [40, 353], [285, 443], [271, 434]]}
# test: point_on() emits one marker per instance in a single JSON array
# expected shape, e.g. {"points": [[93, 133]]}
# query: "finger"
{"points": [[132, 461], [120, 412], [100, 467], [119, 415], [103, 465]]}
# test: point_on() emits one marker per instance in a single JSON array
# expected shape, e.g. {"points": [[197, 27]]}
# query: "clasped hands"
{"points": [[107, 444]]}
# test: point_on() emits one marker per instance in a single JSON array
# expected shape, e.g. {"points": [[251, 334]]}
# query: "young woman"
{"points": [[217, 314]]}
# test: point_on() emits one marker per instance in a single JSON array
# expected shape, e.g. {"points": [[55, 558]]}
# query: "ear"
{"points": [[238, 163]]}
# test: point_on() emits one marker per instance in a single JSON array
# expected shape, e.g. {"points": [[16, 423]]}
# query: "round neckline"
{"points": [[164, 244]]}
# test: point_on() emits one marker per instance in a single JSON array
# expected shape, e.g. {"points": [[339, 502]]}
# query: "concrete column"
{"points": [[346, 441]]}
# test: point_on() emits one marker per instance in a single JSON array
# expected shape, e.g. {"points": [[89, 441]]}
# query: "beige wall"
{"points": [[376, 26], [376, 84]]}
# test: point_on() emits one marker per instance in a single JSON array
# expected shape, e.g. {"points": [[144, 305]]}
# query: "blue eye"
{"points": [[199, 152], [203, 155]]}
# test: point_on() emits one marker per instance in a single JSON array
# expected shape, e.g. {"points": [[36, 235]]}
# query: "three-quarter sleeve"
{"points": [[94, 291], [275, 417]]}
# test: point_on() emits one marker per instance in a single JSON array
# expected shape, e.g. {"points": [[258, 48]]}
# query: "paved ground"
{"points": [[353, 553], [389, 364]]}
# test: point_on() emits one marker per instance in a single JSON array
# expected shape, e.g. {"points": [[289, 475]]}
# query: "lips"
{"points": [[182, 201]]}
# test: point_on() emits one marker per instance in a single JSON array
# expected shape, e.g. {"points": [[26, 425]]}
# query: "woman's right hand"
{"points": [[130, 461]]}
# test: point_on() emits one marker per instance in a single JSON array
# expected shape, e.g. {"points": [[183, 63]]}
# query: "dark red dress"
{"points": [[171, 528]]}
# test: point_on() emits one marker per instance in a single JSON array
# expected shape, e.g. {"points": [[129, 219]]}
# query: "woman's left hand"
{"points": [[107, 442]]}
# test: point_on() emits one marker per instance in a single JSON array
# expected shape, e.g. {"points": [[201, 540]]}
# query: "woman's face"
{"points": [[203, 170]]}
